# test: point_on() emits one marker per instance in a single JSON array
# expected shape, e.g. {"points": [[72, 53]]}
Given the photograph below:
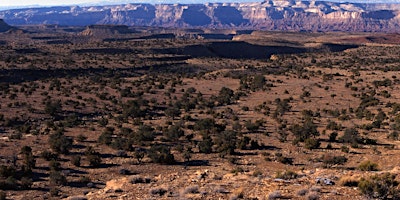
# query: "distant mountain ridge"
{"points": [[291, 15]]}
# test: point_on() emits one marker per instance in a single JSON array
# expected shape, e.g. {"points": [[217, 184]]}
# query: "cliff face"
{"points": [[270, 15]]}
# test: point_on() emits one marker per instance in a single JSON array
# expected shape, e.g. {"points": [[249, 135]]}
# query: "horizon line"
{"points": [[156, 2]]}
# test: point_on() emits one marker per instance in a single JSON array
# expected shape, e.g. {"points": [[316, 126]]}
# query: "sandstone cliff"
{"points": [[269, 15]]}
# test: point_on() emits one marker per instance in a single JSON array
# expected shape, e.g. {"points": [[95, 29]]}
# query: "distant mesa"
{"points": [[288, 15], [4, 27], [105, 30]]}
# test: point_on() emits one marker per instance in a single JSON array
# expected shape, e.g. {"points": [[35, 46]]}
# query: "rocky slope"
{"points": [[269, 15], [4, 26]]}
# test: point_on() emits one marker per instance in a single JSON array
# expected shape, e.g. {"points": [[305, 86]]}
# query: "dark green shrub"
{"points": [[311, 143], [161, 154], [226, 142], [81, 138], [56, 178], [333, 136], [53, 108], [60, 143], [76, 160], [26, 183], [351, 135], [48, 155], [93, 157], [205, 146]]}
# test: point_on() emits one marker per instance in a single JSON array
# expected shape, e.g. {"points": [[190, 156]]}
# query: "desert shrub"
{"points": [[282, 106], [252, 127], [204, 124], [121, 143], [145, 133], [313, 196], [345, 149], [173, 133], [161, 154], [172, 111], [283, 159], [84, 179], [26, 182], [81, 138], [191, 189], [386, 83], [304, 131], [333, 136], [93, 157], [275, 195], [333, 126], [54, 192], [237, 170], [226, 142], [106, 136], [139, 155], [53, 108], [311, 143], [329, 160], [60, 143], [136, 179], [351, 135], [302, 192], [48, 155], [225, 96], [76, 160], [28, 158], [257, 173], [56, 178], [7, 171], [9, 183], [394, 135], [315, 189], [160, 191], [368, 166], [287, 175], [380, 186], [205, 146], [54, 165], [94, 160]]}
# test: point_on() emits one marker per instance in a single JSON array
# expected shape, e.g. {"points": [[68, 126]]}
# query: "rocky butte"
{"points": [[4, 27], [288, 15]]}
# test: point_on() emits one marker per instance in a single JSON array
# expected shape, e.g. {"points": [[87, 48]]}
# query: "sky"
{"points": [[28, 3]]}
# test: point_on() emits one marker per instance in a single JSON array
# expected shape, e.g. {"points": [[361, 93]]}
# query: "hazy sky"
{"points": [[5, 3]]}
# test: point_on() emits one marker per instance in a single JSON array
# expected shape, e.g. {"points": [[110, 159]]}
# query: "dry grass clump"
{"points": [[349, 181]]}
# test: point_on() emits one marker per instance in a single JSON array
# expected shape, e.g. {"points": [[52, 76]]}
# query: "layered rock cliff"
{"points": [[270, 15]]}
